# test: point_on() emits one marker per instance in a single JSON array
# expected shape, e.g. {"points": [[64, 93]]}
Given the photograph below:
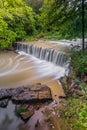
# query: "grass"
{"points": [[30, 38], [51, 35], [54, 35], [74, 113]]}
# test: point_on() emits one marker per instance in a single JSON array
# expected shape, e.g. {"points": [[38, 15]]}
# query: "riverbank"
{"points": [[34, 72], [19, 70], [37, 112]]}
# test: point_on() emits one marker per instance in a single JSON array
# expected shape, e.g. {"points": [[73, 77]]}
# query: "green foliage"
{"points": [[79, 63], [64, 17], [20, 110], [74, 113], [6, 36], [16, 21], [57, 19], [35, 4], [52, 35], [83, 117]]}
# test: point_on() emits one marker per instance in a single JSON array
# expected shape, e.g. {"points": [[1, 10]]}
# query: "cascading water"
{"points": [[23, 69], [48, 54]]}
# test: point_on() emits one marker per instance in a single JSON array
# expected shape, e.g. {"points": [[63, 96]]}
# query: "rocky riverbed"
{"points": [[27, 99]]}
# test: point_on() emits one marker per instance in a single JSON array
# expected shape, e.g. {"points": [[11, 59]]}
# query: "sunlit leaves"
{"points": [[16, 21], [6, 36], [74, 113]]}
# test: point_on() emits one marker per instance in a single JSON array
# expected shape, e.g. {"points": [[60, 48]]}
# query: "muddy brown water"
{"points": [[18, 70]]}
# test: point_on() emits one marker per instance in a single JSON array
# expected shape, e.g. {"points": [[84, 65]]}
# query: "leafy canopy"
{"points": [[16, 21]]}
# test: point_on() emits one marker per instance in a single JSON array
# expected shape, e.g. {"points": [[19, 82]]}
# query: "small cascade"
{"points": [[48, 54]]}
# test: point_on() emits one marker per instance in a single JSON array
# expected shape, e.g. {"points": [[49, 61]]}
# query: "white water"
{"points": [[22, 69]]}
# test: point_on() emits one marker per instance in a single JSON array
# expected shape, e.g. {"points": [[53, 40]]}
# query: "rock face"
{"points": [[28, 94], [33, 94], [25, 111], [74, 88], [27, 98]]}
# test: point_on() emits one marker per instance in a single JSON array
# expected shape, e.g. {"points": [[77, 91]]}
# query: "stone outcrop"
{"points": [[25, 111], [28, 94], [72, 87], [26, 98], [34, 93]]}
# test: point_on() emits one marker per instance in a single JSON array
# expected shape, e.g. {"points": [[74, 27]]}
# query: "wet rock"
{"points": [[33, 94], [28, 94], [28, 113], [25, 111], [4, 103], [9, 92], [5, 93], [27, 98]]}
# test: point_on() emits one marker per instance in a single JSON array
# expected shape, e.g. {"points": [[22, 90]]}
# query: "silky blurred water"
{"points": [[21, 69]]}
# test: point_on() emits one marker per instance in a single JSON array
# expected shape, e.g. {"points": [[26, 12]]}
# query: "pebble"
{"points": [[53, 127], [53, 113]]}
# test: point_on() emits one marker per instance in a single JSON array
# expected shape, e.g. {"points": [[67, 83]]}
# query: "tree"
{"points": [[16, 21], [63, 16], [35, 4], [83, 25], [6, 36]]}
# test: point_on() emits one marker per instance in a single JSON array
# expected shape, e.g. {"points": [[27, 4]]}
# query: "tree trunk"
{"points": [[83, 25]]}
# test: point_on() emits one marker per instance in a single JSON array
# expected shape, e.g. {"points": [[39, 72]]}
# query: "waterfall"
{"points": [[48, 54]]}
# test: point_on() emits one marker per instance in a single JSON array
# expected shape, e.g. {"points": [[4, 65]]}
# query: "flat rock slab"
{"points": [[28, 98], [27, 94]]}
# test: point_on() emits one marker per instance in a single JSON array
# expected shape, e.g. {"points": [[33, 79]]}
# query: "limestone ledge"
{"points": [[26, 98]]}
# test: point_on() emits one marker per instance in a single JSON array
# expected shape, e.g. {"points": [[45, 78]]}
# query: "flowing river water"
{"points": [[18, 70]]}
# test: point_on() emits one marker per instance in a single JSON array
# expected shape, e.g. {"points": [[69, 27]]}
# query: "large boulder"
{"points": [[33, 93]]}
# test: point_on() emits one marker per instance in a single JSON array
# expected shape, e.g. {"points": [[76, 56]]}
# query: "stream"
{"points": [[20, 70]]}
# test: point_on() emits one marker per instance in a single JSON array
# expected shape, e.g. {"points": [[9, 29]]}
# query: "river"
{"points": [[20, 70]]}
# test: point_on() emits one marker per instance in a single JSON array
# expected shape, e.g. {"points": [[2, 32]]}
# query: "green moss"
{"points": [[20, 110]]}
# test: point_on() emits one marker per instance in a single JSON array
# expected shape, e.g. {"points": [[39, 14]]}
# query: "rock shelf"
{"points": [[26, 98]]}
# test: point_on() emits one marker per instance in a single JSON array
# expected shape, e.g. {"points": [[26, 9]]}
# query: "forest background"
{"points": [[22, 19]]}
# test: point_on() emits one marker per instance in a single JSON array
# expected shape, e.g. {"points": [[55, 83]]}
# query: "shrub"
{"points": [[79, 63]]}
